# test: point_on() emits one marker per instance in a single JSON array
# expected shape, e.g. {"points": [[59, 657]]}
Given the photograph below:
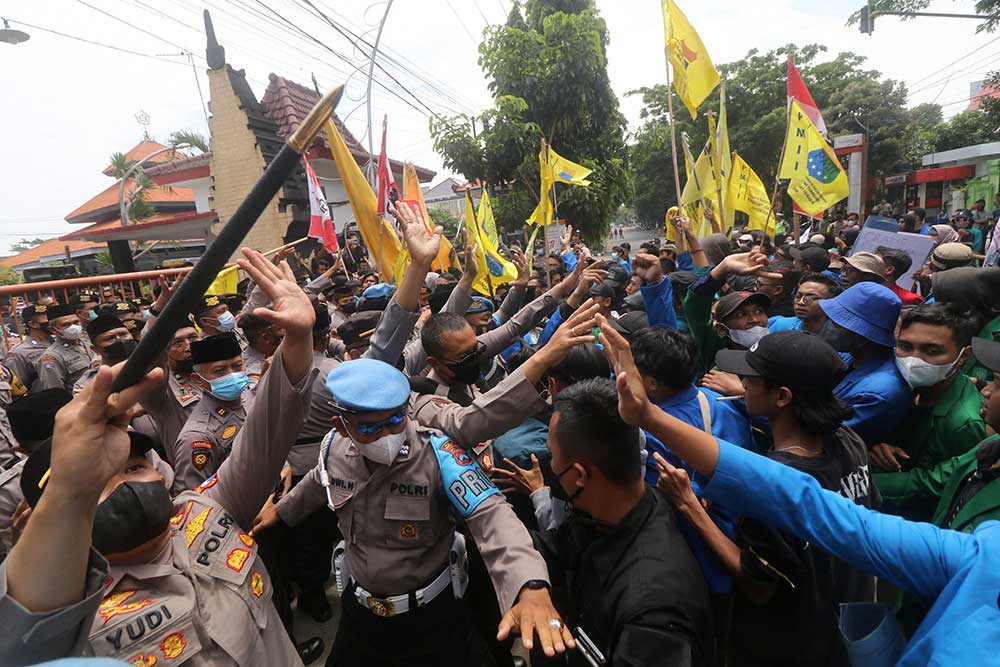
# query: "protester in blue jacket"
{"points": [[958, 572]]}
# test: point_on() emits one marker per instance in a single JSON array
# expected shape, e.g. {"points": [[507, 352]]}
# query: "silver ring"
{"points": [[573, 331], [555, 623]]}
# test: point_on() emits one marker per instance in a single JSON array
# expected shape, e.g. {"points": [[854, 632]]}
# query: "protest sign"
{"points": [[917, 246]]}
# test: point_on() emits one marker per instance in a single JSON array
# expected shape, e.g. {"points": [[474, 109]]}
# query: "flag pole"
{"points": [[673, 130], [719, 156], [717, 171]]}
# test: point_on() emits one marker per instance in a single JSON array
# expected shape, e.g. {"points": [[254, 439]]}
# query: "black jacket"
{"points": [[634, 587]]}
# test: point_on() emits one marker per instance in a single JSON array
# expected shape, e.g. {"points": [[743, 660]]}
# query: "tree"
{"points": [[547, 71], [447, 219], [988, 8], [26, 244], [9, 276]]}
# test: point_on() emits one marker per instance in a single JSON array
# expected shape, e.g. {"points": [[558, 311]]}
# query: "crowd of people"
{"points": [[692, 454]]}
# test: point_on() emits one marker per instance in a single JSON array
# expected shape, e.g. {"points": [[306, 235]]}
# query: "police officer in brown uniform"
{"points": [[396, 488], [185, 584], [208, 436], [69, 356], [263, 339], [85, 305], [103, 332], [22, 359]]}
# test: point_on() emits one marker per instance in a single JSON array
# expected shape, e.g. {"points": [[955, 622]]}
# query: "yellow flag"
{"points": [[817, 180], [701, 182], [225, 282], [493, 268], [565, 171], [542, 215], [378, 234], [411, 190], [747, 193], [723, 156], [692, 198], [530, 250], [693, 72]]}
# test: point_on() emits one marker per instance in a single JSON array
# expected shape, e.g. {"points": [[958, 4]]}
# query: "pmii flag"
{"points": [[747, 193], [817, 179], [694, 74], [693, 197], [544, 211], [702, 181], [566, 171], [500, 269], [320, 220], [379, 237], [489, 273], [798, 91], [225, 283]]}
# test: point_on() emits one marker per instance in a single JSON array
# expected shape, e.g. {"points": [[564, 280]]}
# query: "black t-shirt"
{"points": [[798, 625]]}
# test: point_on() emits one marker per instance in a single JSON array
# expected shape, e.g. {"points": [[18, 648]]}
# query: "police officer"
{"points": [[10, 389], [84, 305], [356, 333], [212, 315], [69, 356], [341, 299], [185, 584], [22, 359], [102, 332], [396, 487], [263, 339], [208, 436], [121, 309], [135, 326]]}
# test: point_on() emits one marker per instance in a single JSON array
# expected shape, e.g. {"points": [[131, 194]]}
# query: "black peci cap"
{"points": [[33, 417], [103, 324], [215, 348], [358, 329], [60, 310], [207, 303], [795, 359]]}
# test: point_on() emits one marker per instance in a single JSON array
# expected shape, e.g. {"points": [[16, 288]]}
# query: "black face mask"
{"points": [[348, 307], [134, 513], [184, 366], [557, 491], [529, 294], [467, 370], [841, 339], [118, 351]]}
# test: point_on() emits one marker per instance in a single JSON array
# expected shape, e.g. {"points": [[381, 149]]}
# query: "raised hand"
{"points": [[422, 243], [633, 404], [518, 260], [745, 264], [566, 238], [167, 290], [290, 307], [648, 268], [566, 286]]}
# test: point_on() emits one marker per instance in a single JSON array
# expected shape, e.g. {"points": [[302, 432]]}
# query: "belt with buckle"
{"points": [[400, 604]]}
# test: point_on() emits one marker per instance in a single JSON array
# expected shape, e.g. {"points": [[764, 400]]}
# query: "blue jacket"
{"points": [[959, 572], [880, 397], [779, 323], [728, 423], [685, 262], [569, 259], [659, 302]]}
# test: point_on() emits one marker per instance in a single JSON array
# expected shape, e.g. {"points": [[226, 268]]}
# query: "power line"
{"points": [[968, 68], [134, 27], [461, 23], [95, 43], [913, 83]]}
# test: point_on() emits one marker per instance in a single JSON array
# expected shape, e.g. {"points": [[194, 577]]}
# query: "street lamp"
{"points": [[11, 36]]}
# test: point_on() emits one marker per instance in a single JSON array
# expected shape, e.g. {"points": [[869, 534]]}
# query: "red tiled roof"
{"points": [[288, 103], [162, 220], [141, 150], [161, 173], [47, 249], [986, 92], [107, 201]]}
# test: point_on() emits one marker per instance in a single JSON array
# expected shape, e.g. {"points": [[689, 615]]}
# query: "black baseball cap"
{"points": [[986, 351], [629, 324], [602, 290], [728, 304], [617, 275], [794, 359]]}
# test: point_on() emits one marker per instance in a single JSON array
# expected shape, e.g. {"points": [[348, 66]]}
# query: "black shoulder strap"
{"points": [[422, 385]]}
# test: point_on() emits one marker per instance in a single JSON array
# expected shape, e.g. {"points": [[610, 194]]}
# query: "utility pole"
{"points": [[866, 17]]}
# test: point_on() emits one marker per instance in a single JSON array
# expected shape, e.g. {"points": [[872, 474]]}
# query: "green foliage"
{"points": [[189, 138], [853, 98], [103, 259], [547, 70], [9, 276], [447, 219], [26, 244], [989, 8]]}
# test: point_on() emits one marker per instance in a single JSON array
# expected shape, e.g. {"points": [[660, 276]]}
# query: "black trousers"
{"points": [[437, 634], [309, 547]]}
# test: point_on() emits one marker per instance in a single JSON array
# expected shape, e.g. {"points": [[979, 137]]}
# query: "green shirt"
{"points": [[972, 367], [701, 324], [950, 427]]}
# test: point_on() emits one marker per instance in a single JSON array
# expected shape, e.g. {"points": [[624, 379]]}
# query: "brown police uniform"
{"points": [[10, 388], [23, 358], [253, 362], [207, 439], [11, 464], [206, 599], [64, 362], [170, 409], [398, 522]]}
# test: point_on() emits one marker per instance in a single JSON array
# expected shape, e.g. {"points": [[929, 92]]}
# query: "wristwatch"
{"points": [[153, 311], [536, 585]]}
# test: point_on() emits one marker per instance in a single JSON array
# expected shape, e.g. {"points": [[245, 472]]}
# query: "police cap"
{"points": [[102, 324], [207, 303], [367, 385], [358, 329], [215, 348], [33, 417]]}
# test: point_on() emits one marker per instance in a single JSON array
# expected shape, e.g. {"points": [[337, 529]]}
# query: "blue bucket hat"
{"points": [[480, 304], [367, 385], [868, 309]]}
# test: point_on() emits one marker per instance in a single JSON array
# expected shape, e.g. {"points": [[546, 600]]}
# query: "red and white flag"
{"points": [[320, 220], [797, 91], [384, 181]]}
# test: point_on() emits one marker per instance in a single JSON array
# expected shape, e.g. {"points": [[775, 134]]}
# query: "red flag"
{"points": [[797, 91], [320, 221], [384, 181]]}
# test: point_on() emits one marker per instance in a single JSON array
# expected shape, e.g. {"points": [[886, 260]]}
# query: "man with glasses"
{"points": [[808, 315], [397, 489]]}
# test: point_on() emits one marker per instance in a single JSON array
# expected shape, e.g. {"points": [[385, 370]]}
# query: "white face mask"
{"points": [[920, 373], [747, 337], [72, 332], [385, 449]]}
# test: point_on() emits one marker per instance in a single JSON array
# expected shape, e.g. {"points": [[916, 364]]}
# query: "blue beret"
{"points": [[480, 304], [367, 385], [378, 291]]}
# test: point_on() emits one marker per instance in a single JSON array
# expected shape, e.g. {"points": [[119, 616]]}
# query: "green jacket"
{"points": [[931, 492], [701, 324], [972, 367], [950, 427]]}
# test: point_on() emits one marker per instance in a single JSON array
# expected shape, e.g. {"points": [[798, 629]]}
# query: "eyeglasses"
{"points": [[806, 298], [475, 352], [374, 428]]}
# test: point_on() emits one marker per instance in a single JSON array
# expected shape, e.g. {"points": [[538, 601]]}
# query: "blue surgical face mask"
{"points": [[91, 314], [147, 314], [614, 255], [225, 322], [228, 387]]}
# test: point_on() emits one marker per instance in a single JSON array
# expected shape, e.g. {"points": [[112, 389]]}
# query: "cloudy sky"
{"points": [[68, 104]]}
